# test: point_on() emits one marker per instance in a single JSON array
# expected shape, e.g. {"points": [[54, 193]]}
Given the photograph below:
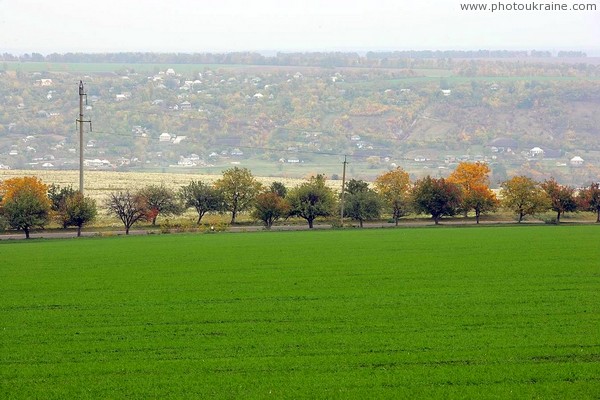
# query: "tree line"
{"points": [[27, 203]]}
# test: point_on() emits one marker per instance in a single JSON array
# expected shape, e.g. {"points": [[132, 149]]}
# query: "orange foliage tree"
{"points": [[473, 179], [25, 203]]}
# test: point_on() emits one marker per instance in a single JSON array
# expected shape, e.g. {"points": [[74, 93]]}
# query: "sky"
{"points": [[190, 26]]}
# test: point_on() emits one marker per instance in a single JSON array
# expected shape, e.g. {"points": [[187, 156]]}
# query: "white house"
{"points": [[536, 152], [576, 161], [164, 137]]}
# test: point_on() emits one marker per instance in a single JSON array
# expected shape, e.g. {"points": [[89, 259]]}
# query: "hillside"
{"points": [[283, 120]]}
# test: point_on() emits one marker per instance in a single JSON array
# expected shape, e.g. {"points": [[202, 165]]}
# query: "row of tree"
{"points": [[26, 203]]}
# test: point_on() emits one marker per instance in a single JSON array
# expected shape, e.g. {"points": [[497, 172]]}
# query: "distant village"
{"points": [[299, 120]]}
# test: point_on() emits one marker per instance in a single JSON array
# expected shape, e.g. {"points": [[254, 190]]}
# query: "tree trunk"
{"points": [[396, 220], [598, 218], [558, 217], [79, 231], [477, 213], [360, 223], [154, 220], [233, 214], [126, 230], [436, 219], [520, 217], [26, 233], [310, 223]]}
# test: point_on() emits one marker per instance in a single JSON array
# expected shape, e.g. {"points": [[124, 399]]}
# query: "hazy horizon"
{"points": [[269, 26]]}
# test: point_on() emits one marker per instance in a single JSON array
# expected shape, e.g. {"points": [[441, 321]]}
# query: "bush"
{"points": [[3, 224], [166, 226]]}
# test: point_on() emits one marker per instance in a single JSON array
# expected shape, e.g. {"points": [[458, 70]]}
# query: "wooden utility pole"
{"points": [[80, 123], [343, 191]]}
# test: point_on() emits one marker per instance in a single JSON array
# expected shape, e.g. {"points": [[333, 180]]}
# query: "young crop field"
{"points": [[489, 312]]}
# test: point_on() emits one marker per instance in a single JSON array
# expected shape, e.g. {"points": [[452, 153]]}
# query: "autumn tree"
{"points": [[481, 200], [437, 197], [79, 210], [25, 204], [394, 187], [160, 200], [562, 198], [524, 196], [361, 202], [239, 189], [311, 200], [128, 207], [269, 207], [203, 197], [589, 199], [473, 180]]}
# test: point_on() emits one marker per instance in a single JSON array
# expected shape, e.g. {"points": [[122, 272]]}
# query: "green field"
{"points": [[489, 312]]}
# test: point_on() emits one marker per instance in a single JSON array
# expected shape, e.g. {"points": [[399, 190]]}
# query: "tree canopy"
{"points": [[562, 198], [25, 203], [394, 187], [311, 200], [361, 203], [589, 199], [239, 189], [437, 197], [160, 200], [524, 196], [473, 180], [79, 210], [203, 197], [270, 207]]}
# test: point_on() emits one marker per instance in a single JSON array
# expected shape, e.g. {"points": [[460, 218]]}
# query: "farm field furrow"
{"points": [[489, 312]]}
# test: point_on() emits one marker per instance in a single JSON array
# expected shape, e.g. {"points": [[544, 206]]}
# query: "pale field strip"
{"points": [[99, 184]]}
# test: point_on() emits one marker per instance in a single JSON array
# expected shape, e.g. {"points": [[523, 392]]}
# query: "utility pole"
{"points": [[80, 123], [343, 191]]}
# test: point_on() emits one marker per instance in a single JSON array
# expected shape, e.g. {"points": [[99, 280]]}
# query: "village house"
{"points": [[576, 161]]}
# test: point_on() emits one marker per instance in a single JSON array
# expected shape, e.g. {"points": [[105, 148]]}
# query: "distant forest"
{"points": [[317, 59]]}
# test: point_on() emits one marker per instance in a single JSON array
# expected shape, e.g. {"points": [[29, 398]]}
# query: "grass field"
{"points": [[490, 312]]}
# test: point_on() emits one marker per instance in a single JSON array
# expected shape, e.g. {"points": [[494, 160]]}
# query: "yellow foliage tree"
{"points": [[394, 186]]}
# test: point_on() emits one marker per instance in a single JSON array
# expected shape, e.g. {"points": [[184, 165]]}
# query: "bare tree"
{"points": [[128, 207]]}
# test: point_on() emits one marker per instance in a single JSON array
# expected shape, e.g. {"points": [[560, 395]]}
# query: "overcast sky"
{"points": [[278, 25]]}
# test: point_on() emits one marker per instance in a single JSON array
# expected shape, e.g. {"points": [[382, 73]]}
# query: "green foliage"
{"points": [[365, 314], [239, 189], [437, 197], [278, 188], [311, 200], [360, 202], [58, 196], [202, 197], [79, 210], [160, 200]]}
